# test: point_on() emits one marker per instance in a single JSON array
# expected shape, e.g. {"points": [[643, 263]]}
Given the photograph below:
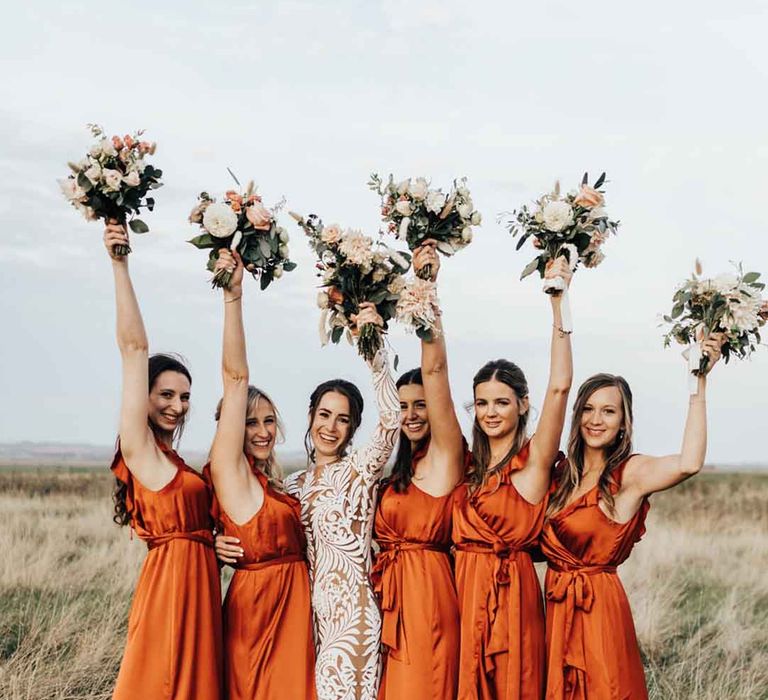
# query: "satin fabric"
{"points": [[174, 644], [268, 646], [592, 651], [500, 599], [413, 581]]}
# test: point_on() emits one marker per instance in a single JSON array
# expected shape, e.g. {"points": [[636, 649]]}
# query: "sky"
{"points": [[307, 99]]}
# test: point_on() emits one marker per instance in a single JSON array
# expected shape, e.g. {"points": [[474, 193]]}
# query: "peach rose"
{"points": [[129, 142], [258, 216], [117, 142], [589, 197]]}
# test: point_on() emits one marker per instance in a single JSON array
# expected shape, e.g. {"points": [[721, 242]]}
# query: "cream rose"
{"points": [[108, 148], [403, 206], [94, 173], [435, 201], [71, 190], [132, 179], [331, 234], [589, 197], [112, 179], [465, 209], [219, 220], [419, 189], [557, 215], [402, 187]]}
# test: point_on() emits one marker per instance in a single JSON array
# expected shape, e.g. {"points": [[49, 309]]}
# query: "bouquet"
{"points": [[242, 223], [354, 270], [730, 304], [415, 213], [113, 180], [574, 225], [418, 308]]}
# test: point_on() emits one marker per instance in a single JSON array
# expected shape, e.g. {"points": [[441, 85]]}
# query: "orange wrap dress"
{"points": [[174, 644], [268, 647], [413, 581], [592, 651], [500, 599]]}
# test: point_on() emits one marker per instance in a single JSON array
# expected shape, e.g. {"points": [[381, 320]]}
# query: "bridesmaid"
{"points": [[268, 646], [338, 499], [412, 575], [497, 519], [595, 517], [173, 648]]}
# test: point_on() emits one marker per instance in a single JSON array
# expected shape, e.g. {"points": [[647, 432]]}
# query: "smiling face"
{"points": [[260, 430], [331, 424], [414, 421], [169, 400], [602, 418], [498, 409]]}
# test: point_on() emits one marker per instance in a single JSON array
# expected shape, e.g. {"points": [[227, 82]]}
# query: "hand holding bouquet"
{"points": [[415, 213], [354, 273], [242, 223], [574, 225], [730, 305], [113, 180]]}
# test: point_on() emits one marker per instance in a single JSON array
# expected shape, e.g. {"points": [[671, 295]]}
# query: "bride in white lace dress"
{"points": [[338, 499]]}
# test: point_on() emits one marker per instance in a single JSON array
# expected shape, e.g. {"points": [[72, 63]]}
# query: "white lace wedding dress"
{"points": [[337, 509]]}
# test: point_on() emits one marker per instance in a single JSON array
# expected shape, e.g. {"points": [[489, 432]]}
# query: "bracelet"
{"points": [[229, 301], [562, 332]]}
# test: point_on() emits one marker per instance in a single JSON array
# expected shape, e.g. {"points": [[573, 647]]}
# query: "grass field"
{"points": [[698, 584]]}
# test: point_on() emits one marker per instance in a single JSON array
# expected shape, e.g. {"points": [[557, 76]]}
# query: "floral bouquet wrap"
{"points": [[574, 225], [415, 212], [731, 304], [242, 223], [354, 270], [113, 180]]}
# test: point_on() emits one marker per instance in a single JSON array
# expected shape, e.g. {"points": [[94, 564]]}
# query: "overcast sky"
{"points": [[308, 98]]}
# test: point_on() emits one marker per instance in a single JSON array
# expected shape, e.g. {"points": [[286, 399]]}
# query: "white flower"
{"points": [[435, 201], [107, 148], [132, 179], [725, 283], [744, 314], [419, 189], [557, 215], [93, 173], [322, 300], [95, 150], [465, 209], [331, 234], [71, 190], [466, 234], [112, 179], [403, 206], [477, 218], [418, 306], [356, 248], [219, 220], [402, 232], [402, 187]]}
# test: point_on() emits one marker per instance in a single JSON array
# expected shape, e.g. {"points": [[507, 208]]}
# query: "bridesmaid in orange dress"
{"points": [[173, 649], [497, 519], [595, 517], [268, 645], [412, 574]]}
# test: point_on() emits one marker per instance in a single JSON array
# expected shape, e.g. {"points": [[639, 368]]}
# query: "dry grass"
{"points": [[697, 584]]}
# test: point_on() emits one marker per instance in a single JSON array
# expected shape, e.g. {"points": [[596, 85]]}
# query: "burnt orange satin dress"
{"points": [[500, 599], [413, 581], [592, 651], [268, 646], [174, 644]]}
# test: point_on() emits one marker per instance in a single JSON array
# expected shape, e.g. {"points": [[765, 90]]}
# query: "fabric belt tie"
{"points": [[502, 635], [259, 565], [386, 586], [572, 585], [202, 536]]}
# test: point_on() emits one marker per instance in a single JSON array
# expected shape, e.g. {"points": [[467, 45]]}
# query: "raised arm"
{"points": [[645, 475], [137, 443], [446, 448], [546, 442]]}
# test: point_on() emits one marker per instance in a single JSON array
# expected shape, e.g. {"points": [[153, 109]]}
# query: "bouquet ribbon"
{"points": [[558, 285], [693, 355]]}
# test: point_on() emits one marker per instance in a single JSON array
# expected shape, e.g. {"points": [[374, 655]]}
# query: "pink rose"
{"points": [[258, 216], [589, 197]]}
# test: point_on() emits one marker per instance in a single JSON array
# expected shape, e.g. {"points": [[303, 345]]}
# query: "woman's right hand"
{"points": [[231, 262], [426, 254], [228, 549], [115, 234]]}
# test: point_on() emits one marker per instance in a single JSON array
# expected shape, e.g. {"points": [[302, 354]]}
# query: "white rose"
{"points": [[93, 173], [557, 215], [107, 148], [283, 235], [219, 220], [132, 179], [465, 210], [71, 190], [419, 189], [477, 218], [402, 233], [277, 273], [466, 234], [95, 150], [322, 300], [112, 179], [404, 207], [402, 187], [435, 201]]}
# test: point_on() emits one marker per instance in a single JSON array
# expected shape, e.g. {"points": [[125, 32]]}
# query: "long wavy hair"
{"points": [[615, 454], [356, 405], [510, 374], [402, 471], [271, 467], [156, 365]]}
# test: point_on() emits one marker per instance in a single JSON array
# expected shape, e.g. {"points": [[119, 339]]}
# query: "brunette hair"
{"points": [[615, 454], [510, 374], [402, 471], [356, 404], [271, 467], [156, 365]]}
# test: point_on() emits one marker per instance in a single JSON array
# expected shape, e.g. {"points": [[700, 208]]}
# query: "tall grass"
{"points": [[698, 584]]}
